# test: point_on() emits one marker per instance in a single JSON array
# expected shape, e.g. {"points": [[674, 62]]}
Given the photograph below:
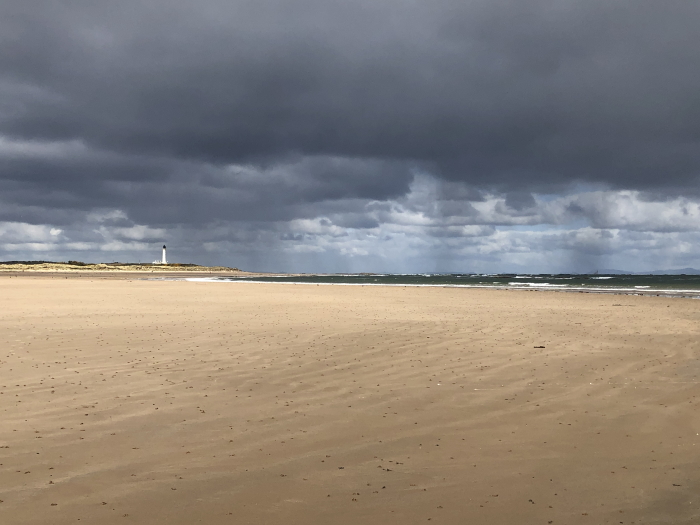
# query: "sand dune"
{"points": [[72, 268], [126, 401]]}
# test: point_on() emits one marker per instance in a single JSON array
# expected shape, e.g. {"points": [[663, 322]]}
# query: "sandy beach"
{"points": [[126, 401]]}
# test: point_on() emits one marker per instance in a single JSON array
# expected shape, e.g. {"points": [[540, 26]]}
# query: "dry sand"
{"points": [[125, 401]]}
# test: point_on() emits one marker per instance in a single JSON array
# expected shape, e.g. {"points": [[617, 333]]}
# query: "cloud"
{"points": [[15, 232], [321, 134]]}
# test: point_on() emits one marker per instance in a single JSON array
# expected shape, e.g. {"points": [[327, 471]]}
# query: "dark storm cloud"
{"points": [[520, 94], [246, 127], [164, 190], [520, 201]]}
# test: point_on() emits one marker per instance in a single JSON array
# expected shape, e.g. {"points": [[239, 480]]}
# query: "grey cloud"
{"points": [[451, 208], [355, 220], [520, 201], [458, 191], [508, 92], [462, 232], [220, 123], [634, 211]]}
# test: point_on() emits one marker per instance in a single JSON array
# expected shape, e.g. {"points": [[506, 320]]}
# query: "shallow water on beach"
{"points": [[662, 285]]}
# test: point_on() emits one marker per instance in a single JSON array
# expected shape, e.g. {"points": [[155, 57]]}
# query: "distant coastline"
{"points": [[77, 266], [680, 271]]}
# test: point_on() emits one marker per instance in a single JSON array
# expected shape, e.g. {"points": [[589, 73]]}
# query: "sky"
{"points": [[352, 136]]}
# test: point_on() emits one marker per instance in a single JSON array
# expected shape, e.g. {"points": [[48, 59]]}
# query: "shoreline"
{"points": [[217, 276], [669, 293]]}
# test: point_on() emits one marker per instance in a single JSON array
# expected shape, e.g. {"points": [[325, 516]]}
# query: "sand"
{"points": [[156, 402]]}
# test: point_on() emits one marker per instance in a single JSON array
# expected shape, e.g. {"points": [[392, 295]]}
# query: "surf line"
{"points": [[665, 293]]}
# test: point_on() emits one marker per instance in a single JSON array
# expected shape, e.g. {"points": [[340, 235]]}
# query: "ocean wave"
{"points": [[538, 284], [690, 288]]}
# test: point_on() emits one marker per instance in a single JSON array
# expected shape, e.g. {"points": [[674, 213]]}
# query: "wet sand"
{"points": [[170, 402]]}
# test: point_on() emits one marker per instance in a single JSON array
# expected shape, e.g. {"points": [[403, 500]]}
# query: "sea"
{"points": [[652, 285]]}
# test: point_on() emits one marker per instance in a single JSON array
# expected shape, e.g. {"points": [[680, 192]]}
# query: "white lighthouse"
{"points": [[164, 260]]}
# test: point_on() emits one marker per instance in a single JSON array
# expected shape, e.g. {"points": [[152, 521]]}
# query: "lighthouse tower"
{"points": [[164, 260]]}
